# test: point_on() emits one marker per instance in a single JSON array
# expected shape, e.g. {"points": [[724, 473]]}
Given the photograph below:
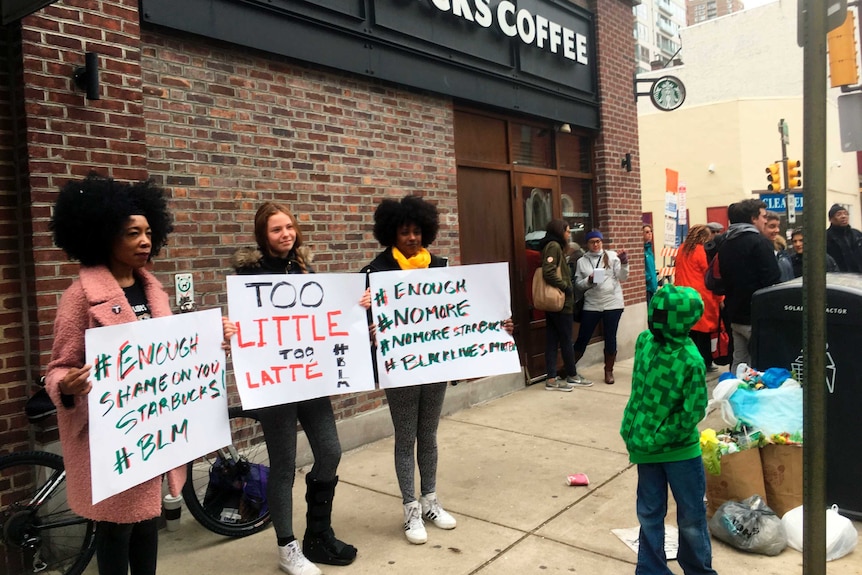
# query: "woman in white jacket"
{"points": [[598, 276]]}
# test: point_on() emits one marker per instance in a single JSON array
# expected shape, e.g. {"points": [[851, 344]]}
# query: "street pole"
{"points": [[814, 29], [789, 200]]}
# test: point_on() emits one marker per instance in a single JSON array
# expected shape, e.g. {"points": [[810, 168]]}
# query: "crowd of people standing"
{"points": [[114, 230]]}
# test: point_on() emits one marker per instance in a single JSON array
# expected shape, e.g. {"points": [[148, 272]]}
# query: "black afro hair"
{"points": [[392, 214], [90, 215]]}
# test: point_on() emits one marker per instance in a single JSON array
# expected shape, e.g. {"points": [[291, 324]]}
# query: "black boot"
{"points": [[319, 544]]}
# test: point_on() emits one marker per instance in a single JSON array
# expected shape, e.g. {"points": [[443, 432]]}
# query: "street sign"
{"points": [[778, 203], [850, 121]]}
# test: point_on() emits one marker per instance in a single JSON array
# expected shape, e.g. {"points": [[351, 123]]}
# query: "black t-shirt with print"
{"points": [[138, 300]]}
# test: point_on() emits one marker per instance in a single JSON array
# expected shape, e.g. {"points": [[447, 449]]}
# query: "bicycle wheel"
{"points": [[226, 489], [38, 531]]}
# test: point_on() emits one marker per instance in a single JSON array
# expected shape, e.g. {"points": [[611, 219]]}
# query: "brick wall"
{"points": [[13, 350], [228, 128], [618, 191], [68, 135]]}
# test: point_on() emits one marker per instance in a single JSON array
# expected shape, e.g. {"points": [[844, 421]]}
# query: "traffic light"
{"points": [[773, 176], [794, 174], [842, 53]]}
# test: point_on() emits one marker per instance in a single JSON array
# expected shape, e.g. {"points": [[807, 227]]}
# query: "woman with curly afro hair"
{"points": [[406, 228], [114, 229]]}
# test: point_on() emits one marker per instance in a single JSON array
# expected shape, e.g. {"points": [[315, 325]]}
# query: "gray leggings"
{"points": [[415, 412], [279, 429]]}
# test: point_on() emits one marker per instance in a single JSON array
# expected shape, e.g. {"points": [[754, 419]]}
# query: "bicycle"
{"points": [[225, 492]]}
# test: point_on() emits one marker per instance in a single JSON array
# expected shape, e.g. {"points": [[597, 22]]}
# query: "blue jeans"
{"points": [[590, 319], [688, 485], [558, 333]]}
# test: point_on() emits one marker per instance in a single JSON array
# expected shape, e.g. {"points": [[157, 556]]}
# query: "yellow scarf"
{"points": [[420, 261]]}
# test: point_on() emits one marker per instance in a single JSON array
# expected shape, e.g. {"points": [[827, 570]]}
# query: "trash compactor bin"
{"points": [[776, 341]]}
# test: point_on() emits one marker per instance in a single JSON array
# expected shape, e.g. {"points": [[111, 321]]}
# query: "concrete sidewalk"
{"points": [[501, 474]]}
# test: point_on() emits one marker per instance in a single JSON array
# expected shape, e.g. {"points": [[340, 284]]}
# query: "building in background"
{"points": [[328, 107], [726, 133], [697, 11], [656, 31]]}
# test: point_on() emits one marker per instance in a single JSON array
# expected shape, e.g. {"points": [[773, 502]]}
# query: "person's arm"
{"points": [[770, 274], [67, 378], [621, 263], [583, 274], [551, 260]]}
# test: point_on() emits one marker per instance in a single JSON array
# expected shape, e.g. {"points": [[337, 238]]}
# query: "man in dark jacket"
{"points": [[747, 263], [843, 243]]}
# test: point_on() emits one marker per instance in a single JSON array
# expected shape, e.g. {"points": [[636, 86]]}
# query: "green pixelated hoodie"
{"points": [[669, 392]]}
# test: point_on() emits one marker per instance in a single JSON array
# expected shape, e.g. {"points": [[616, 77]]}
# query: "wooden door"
{"points": [[535, 196]]}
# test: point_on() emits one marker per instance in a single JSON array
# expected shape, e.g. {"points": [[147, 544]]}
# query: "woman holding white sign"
{"points": [[406, 228], [114, 230], [598, 275], [280, 250]]}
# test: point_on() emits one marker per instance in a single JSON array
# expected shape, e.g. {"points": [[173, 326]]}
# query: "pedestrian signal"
{"points": [[773, 176], [794, 174]]}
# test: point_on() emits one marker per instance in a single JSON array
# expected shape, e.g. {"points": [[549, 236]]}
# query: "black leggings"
{"points": [[124, 546], [279, 430]]}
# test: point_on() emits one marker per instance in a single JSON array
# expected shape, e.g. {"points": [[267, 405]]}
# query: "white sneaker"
{"points": [[414, 527], [434, 512], [291, 560]]}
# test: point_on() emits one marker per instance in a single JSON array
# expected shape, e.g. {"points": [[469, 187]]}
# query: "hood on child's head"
{"points": [[673, 310]]}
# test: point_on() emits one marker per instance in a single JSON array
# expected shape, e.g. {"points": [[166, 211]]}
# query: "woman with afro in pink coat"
{"points": [[114, 229]]}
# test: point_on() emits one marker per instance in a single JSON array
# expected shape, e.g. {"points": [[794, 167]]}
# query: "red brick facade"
{"points": [[618, 191], [224, 128]]}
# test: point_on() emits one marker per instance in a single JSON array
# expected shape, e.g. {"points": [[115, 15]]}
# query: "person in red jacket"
{"points": [[691, 265]]}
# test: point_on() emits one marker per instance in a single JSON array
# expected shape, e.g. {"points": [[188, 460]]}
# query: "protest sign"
{"points": [[298, 337], [158, 400], [441, 324]]}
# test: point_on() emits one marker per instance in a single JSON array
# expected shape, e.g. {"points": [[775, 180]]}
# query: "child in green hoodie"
{"points": [[659, 427]]}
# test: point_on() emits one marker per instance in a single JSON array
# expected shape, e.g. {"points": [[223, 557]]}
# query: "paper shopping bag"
{"points": [[741, 477], [782, 475]]}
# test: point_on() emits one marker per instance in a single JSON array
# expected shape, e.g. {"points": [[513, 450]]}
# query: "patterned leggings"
{"points": [[279, 429], [415, 412]]}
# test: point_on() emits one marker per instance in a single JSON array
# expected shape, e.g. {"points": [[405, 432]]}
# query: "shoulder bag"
{"points": [[545, 296]]}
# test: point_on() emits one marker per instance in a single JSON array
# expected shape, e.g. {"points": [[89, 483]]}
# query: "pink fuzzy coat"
{"points": [[93, 300]]}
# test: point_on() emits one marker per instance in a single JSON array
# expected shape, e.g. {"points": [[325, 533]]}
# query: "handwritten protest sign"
{"points": [[158, 399], [298, 337], [441, 324]]}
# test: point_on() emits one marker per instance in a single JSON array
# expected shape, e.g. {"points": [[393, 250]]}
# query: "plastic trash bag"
{"points": [[749, 525], [770, 410], [841, 536], [720, 395]]}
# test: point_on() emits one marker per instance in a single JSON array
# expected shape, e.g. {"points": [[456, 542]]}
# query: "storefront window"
{"points": [[574, 152], [537, 214], [532, 146], [576, 197]]}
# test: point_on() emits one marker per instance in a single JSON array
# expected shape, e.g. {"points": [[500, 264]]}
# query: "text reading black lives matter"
{"points": [[412, 325], [295, 337], [143, 398]]}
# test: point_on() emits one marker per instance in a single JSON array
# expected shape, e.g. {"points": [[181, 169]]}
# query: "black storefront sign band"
{"points": [[547, 68]]}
